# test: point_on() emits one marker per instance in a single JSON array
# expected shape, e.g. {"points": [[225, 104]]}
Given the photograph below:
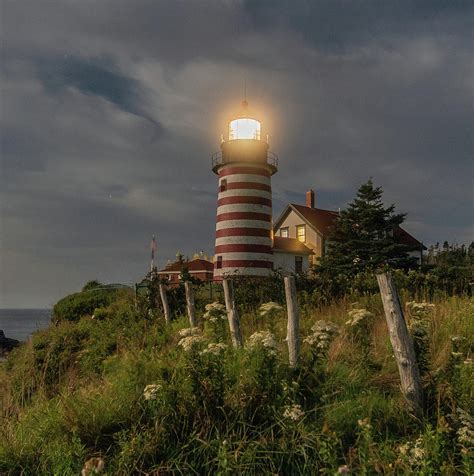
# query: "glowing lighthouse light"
{"points": [[244, 128]]}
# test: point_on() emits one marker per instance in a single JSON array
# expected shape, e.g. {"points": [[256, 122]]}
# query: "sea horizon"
{"points": [[20, 323]]}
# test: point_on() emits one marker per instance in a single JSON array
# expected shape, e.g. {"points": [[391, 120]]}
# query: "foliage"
{"points": [[77, 305], [362, 238], [136, 396]]}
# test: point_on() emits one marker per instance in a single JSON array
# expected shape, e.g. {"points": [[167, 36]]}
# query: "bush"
{"points": [[74, 306]]}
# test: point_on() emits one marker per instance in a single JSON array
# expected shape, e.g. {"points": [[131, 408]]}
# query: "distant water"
{"points": [[21, 323]]}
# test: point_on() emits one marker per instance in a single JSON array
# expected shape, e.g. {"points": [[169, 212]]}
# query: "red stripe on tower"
{"points": [[244, 204]]}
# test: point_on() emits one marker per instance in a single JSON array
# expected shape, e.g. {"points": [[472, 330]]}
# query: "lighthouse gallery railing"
{"points": [[272, 159]]}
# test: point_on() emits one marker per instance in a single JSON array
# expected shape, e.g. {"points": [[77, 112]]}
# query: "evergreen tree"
{"points": [[362, 237]]}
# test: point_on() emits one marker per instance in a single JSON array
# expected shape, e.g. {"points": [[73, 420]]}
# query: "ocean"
{"points": [[21, 323]]}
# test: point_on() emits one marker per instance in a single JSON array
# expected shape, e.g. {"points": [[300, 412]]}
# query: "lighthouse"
{"points": [[244, 167]]}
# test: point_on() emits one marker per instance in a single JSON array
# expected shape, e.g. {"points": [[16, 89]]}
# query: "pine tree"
{"points": [[362, 237]]}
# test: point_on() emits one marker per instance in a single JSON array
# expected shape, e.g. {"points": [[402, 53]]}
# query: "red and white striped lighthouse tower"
{"points": [[244, 166]]}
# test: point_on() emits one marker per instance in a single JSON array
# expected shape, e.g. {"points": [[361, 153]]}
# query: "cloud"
{"points": [[111, 110]]}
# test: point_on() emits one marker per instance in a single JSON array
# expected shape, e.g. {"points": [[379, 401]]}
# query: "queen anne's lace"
{"points": [[269, 309], [151, 391], [215, 311], [189, 331], [359, 317], [322, 336], [263, 339], [188, 343], [214, 349], [293, 412]]}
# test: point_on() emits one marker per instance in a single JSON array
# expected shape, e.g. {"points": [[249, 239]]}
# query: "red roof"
{"points": [[192, 266], [323, 220], [290, 245], [320, 219]]}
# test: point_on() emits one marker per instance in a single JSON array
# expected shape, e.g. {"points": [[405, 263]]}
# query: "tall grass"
{"points": [[76, 391]]}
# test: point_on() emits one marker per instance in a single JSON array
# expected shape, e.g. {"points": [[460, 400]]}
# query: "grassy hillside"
{"points": [[144, 399]]}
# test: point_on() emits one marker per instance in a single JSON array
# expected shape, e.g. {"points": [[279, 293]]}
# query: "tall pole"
{"points": [[232, 315], [153, 250], [402, 344], [293, 329]]}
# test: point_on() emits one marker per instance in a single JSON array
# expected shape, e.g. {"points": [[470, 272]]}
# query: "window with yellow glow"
{"points": [[284, 232], [301, 233], [244, 128]]}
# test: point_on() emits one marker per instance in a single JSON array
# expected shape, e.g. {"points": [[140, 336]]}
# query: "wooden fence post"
{"points": [[232, 314], [402, 344], [190, 303], [293, 330], [164, 301]]}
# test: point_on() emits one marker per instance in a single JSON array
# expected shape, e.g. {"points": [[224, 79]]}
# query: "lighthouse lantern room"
{"points": [[244, 166]]}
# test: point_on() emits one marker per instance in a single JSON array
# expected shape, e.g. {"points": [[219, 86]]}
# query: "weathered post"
{"points": [[164, 301], [293, 329], [232, 315], [402, 343], [190, 303]]}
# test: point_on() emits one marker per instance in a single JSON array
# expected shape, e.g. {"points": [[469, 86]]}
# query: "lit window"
{"points": [[284, 232], [244, 128], [301, 233]]}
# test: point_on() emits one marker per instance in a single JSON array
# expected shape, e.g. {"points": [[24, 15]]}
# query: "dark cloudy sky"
{"points": [[110, 111]]}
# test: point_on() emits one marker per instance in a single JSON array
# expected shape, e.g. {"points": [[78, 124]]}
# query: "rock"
{"points": [[6, 343]]}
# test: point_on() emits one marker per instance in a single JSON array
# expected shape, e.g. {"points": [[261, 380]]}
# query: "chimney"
{"points": [[310, 198]]}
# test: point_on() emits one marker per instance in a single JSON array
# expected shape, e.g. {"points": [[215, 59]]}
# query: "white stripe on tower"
{"points": [[243, 228]]}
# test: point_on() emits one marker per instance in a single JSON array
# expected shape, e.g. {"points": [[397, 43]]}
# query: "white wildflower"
{"points": [[364, 423], [189, 331], [293, 412], [322, 336], [359, 317], [343, 469], [214, 349], [413, 452], [215, 311], [93, 466], [188, 343], [465, 432], [270, 309], [263, 339], [151, 391], [419, 308]]}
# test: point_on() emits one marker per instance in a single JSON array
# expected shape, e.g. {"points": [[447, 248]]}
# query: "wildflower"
{"points": [[420, 307], [322, 336], [215, 311], [188, 343], [343, 469], [189, 331], [93, 466], [358, 317], [413, 452], [364, 423], [151, 391], [270, 309], [465, 432], [214, 349], [293, 412], [263, 339]]}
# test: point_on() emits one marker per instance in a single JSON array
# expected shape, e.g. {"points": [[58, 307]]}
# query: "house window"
{"points": [[284, 232], [298, 264], [219, 262], [301, 233], [223, 185]]}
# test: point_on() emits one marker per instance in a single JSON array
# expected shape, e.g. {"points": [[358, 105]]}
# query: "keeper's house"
{"points": [[311, 226], [199, 268]]}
